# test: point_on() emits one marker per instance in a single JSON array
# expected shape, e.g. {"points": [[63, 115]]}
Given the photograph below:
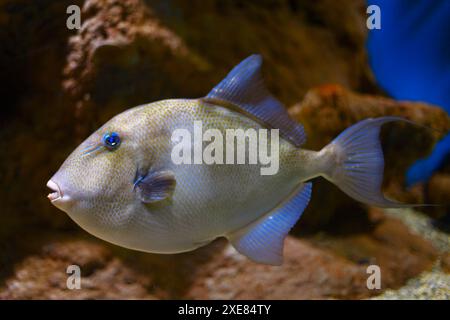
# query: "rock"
{"points": [[320, 267], [36, 120], [123, 56], [437, 191], [327, 110], [127, 53], [323, 266], [43, 275], [433, 285], [445, 262]]}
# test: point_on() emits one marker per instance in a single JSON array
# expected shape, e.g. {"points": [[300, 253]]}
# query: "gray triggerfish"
{"points": [[122, 185]]}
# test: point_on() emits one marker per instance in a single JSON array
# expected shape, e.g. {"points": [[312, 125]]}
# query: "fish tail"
{"points": [[356, 162]]}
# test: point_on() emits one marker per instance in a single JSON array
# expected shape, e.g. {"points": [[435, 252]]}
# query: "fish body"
{"points": [[122, 184]]}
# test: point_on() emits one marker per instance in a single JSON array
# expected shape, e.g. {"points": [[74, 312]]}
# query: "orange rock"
{"points": [[327, 110]]}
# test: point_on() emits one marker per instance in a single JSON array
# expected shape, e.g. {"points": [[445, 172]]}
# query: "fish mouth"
{"points": [[57, 194]]}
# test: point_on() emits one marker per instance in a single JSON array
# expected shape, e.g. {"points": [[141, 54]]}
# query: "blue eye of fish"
{"points": [[111, 140]]}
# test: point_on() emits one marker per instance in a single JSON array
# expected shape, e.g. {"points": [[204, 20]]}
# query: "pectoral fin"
{"points": [[155, 186], [262, 241]]}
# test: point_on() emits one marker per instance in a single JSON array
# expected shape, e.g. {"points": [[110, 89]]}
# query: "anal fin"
{"points": [[262, 241]]}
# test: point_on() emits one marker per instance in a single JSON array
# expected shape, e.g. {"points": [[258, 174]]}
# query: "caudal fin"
{"points": [[358, 162]]}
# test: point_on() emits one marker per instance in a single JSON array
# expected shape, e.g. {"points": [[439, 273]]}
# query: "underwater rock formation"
{"points": [[43, 275], [327, 110], [318, 267], [437, 191], [129, 53], [321, 267], [122, 56]]}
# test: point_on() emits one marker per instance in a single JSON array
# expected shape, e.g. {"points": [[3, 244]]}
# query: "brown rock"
{"points": [[124, 46], [328, 110], [43, 275], [437, 191], [307, 273], [320, 267], [445, 262], [332, 264], [115, 57]]}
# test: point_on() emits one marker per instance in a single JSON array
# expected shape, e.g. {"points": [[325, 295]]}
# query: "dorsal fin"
{"points": [[244, 88]]}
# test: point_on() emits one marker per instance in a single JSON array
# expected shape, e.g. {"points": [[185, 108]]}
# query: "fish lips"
{"points": [[58, 197], [57, 193]]}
